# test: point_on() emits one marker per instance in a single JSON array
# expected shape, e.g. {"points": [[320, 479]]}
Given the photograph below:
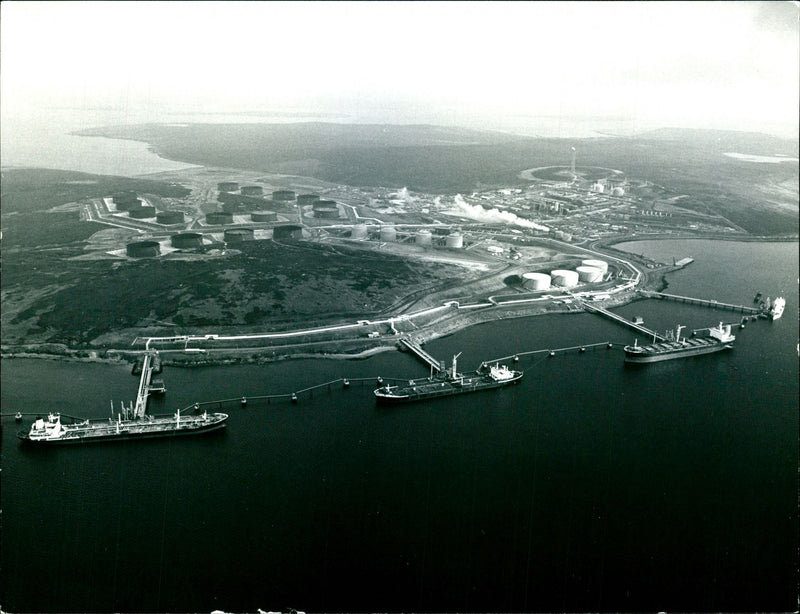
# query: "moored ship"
{"points": [[51, 430], [448, 382], [719, 338], [776, 310]]}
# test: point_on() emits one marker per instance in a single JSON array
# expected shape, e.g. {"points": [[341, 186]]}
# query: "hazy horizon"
{"points": [[536, 68]]}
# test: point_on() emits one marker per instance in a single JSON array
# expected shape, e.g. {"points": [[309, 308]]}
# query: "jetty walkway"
{"points": [[699, 301], [422, 354], [637, 327]]}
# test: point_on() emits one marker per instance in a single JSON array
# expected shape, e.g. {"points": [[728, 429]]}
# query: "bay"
{"points": [[590, 486]]}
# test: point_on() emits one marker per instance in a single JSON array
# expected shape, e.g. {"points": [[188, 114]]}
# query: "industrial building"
{"points": [[187, 240], [143, 249], [170, 217]]}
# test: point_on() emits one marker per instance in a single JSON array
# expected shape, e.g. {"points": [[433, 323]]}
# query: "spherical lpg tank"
{"points": [[252, 190], [536, 281], [283, 195], [170, 217], [219, 217], [424, 238], [564, 278], [237, 235], [264, 216], [187, 240], [455, 240], [598, 264], [388, 233], [142, 213], [359, 231], [143, 249], [589, 274]]}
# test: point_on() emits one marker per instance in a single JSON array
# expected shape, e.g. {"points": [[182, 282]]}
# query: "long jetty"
{"points": [[148, 365], [422, 354], [637, 327], [700, 301]]}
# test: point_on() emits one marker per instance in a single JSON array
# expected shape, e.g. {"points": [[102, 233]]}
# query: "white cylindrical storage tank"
{"points": [[589, 274], [454, 240], [388, 233], [536, 281], [359, 231], [424, 237], [597, 264], [564, 278]]}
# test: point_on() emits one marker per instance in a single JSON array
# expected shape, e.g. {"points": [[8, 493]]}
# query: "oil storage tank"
{"points": [[388, 233], [219, 217], [326, 209], [284, 195], [143, 249], [187, 240], [264, 216], [589, 274], [597, 264], [307, 199], [564, 278], [252, 190], [170, 217], [359, 231], [142, 213], [454, 240], [287, 231], [536, 281], [424, 238], [227, 186], [237, 235]]}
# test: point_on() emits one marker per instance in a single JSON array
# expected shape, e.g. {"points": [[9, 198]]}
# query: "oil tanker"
{"points": [[52, 431], [720, 338], [448, 382]]}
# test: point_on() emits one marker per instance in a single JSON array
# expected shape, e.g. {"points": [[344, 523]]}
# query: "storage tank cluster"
{"points": [[252, 190], [564, 278], [187, 240], [142, 213], [264, 216], [143, 249], [237, 235], [227, 186], [219, 217], [536, 281], [283, 195], [170, 217]]}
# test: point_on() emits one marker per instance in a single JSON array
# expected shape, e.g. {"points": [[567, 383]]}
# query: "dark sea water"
{"points": [[590, 486]]}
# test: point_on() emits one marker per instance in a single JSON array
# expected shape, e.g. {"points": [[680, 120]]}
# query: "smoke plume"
{"points": [[493, 216]]}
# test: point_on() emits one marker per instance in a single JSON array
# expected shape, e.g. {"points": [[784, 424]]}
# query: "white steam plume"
{"points": [[494, 216]]}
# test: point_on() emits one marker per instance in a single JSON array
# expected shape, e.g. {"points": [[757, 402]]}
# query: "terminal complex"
{"points": [[526, 249]]}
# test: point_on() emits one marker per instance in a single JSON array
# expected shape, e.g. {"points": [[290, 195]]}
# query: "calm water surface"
{"points": [[590, 486]]}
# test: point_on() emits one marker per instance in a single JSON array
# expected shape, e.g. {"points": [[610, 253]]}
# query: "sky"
{"points": [[729, 65]]}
